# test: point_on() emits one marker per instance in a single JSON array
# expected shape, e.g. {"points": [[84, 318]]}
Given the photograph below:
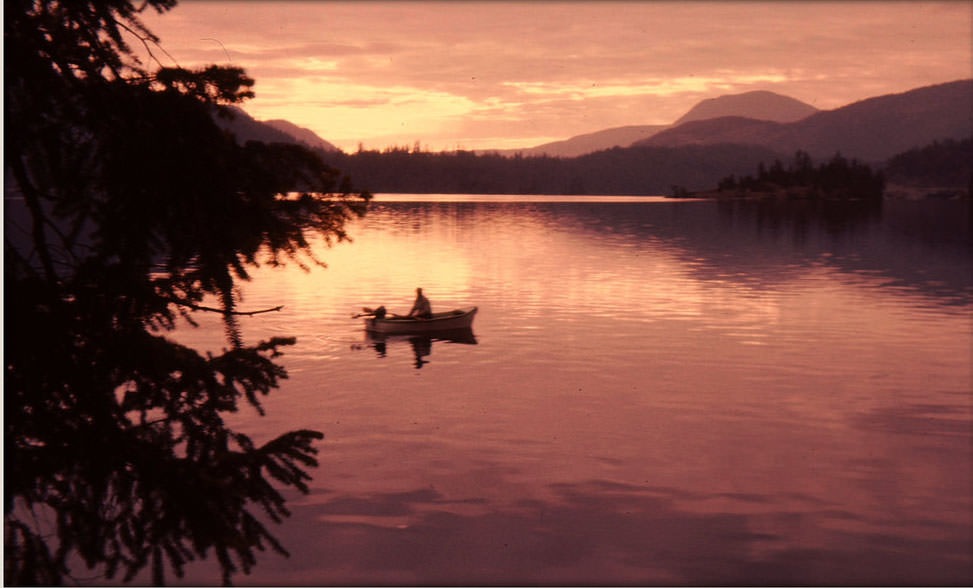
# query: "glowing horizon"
{"points": [[501, 75]]}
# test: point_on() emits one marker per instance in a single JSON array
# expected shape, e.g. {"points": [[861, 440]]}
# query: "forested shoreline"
{"points": [[649, 171], [622, 171]]}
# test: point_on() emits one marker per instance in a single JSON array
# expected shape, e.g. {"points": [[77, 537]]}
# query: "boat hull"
{"points": [[440, 321]]}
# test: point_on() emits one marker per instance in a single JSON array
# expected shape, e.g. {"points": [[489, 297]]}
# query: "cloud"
{"points": [[433, 67]]}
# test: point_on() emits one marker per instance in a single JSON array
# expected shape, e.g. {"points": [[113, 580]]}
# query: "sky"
{"points": [[482, 75]]}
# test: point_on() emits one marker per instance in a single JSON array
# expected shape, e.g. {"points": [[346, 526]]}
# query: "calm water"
{"points": [[659, 392]]}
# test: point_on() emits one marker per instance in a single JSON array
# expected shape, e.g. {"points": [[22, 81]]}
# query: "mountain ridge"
{"points": [[588, 142], [757, 104], [246, 128], [769, 105], [302, 134], [872, 129]]}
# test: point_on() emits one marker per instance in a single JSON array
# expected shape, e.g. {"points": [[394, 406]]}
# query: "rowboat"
{"points": [[440, 321]]}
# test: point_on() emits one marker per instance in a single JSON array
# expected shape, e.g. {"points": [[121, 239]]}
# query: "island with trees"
{"points": [[836, 179]]}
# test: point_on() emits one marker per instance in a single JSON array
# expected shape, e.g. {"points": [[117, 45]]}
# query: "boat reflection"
{"points": [[421, 343]]}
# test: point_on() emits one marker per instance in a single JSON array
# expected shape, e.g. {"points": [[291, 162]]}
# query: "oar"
{"points": [[390, 315], [371, 312]]}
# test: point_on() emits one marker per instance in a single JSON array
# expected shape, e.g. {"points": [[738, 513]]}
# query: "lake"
{"points": [[655, 392]]}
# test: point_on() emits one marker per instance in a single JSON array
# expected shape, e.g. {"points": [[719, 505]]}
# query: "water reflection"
{"points": [[421, 344], [918, 245], [804, 217], [599, 532], [666, 393]]}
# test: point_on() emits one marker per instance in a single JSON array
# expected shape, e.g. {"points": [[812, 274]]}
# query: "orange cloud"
{"points": [[405, 71]]}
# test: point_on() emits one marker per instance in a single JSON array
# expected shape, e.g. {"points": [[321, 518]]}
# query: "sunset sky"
{"points": [[505, 75]]}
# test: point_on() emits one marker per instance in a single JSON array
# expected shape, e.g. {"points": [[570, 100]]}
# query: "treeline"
{"points": [[837, 178], [943, 164], [623, 171], [677, 171]]}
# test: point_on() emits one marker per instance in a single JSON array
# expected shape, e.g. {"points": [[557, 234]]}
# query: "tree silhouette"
{"points": [[838, 178], [633, 170], [942, 164], [127, 208]]}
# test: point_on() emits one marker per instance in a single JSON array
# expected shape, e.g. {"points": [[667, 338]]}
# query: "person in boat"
{"points": [[421, 307]]}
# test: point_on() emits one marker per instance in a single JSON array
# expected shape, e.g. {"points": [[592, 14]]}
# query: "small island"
{"points": [[837, 179]]}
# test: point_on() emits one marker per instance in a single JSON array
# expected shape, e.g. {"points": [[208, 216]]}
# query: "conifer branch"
{"points": [[223, 310]]}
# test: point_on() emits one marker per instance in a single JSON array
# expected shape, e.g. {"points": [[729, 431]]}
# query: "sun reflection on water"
{"points": [[655, 394]]}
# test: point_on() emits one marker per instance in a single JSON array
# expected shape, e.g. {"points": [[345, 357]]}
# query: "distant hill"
{"points": [[306, 136], [716, 131], [946, 165], [590, 142], [760, 105], [872, 130], [246, 128]]}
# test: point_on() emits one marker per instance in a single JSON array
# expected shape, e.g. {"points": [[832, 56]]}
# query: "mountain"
{"points": [[306, 136], [872, 130], [715, 131], [246, 128], [590, 142], [759, 105]]}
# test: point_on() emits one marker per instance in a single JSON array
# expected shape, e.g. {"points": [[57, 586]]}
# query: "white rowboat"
{"points": [[440, 321]]}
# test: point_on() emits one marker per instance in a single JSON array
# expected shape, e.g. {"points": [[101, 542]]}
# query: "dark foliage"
{"points": [[943, 164], [644, 170], [838, 178], [127, 207]]}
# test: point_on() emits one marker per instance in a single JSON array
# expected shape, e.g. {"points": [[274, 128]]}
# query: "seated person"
{"points": [[421, 308]]}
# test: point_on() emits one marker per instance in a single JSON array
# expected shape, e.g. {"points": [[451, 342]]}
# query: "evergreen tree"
{"points": [[127, 208], [838, 178]]}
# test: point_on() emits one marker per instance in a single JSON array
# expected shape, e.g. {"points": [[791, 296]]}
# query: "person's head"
{"points": [[419, 291]]}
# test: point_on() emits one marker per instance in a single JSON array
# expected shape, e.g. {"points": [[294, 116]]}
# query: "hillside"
{"points": [[760, 105], [872, 130], [945, 166], [306, 136], [246, 128], [716, 131], [590, 142]]}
